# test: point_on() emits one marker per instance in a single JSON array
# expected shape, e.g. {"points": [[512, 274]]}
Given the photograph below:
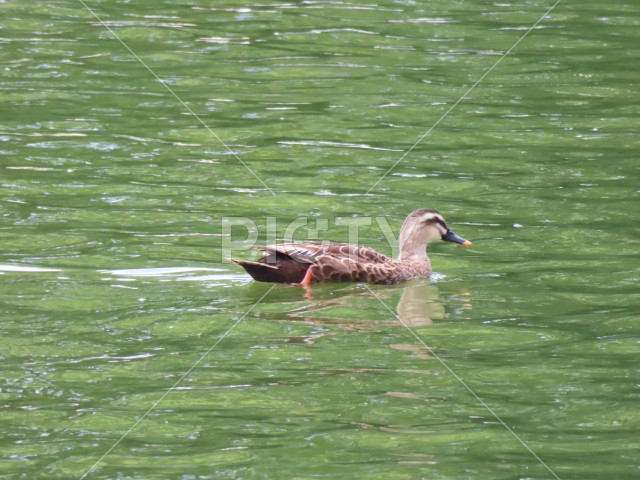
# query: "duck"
{"points": [[301, 263]]}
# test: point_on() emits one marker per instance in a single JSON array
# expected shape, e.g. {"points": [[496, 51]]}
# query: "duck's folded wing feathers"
{"points": [[310, 252], [303, 252]]}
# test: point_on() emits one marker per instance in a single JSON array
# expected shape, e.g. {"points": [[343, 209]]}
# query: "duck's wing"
{"points": [[311, 252], [348, 262], [303, 252]]}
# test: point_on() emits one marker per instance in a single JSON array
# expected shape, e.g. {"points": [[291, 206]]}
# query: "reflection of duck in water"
{"points": [[419, 305], [304, 262]]}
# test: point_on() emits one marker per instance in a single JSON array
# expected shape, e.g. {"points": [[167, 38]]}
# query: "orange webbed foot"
{"points": [[306, 283]]}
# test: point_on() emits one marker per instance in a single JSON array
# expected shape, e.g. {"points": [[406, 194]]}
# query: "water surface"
{"points": [[131, 349]]}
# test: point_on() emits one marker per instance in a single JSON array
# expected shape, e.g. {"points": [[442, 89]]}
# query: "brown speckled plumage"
{"points": [[346, 262]]}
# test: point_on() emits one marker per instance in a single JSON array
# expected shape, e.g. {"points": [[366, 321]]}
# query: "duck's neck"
{"points": [[412, 247]]}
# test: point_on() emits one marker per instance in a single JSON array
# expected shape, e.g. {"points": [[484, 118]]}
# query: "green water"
{"points": [[129, 347]]}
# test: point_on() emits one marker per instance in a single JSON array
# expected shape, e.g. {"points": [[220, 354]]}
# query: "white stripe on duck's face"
{"points": [[435, 225]]}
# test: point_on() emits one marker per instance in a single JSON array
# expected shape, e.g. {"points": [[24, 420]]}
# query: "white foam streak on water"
{"points": [[25, 269], [159, 272]]}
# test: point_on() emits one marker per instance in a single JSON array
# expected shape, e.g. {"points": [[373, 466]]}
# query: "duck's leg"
{"points": [[306, 283]]}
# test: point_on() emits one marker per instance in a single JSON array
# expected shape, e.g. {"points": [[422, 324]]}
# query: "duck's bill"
{"points": [[452, 237]]}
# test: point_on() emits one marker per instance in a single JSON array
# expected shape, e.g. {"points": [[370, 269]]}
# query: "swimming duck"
{"points": [[301, 263]]}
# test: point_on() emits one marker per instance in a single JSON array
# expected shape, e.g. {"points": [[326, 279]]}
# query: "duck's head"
{"points": [[421, 227]]}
